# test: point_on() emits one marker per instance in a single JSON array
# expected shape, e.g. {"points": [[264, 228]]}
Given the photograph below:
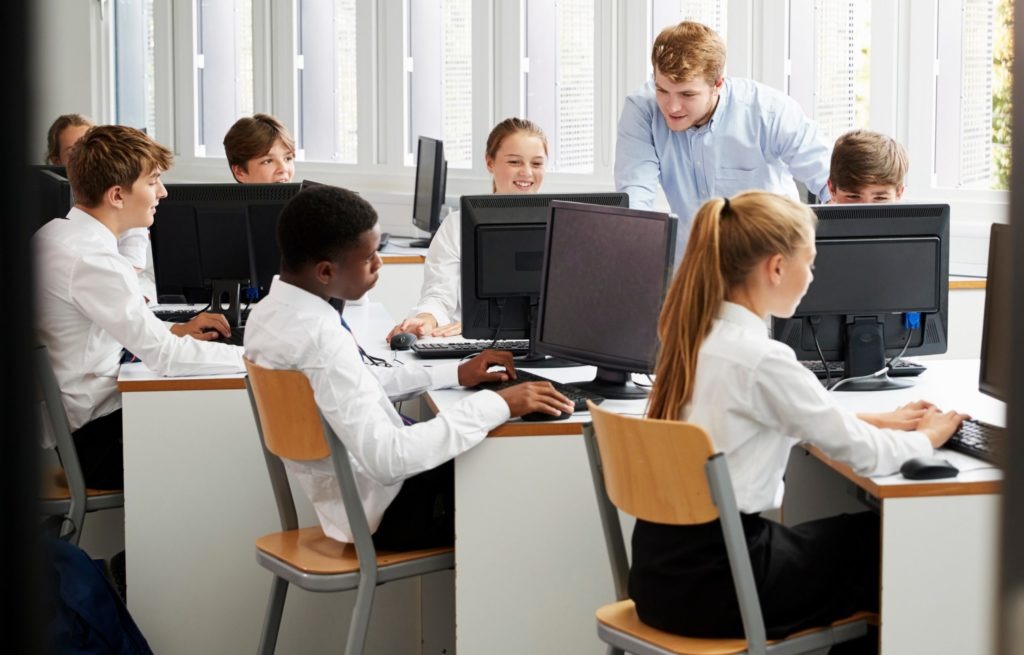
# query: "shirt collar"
{"points": [[92, 225], [724, 101], [300, 299], [739, 315]]}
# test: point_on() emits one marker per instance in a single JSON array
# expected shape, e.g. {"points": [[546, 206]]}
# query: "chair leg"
{"points": [[612, 650], [272, 620], [360, 623]]}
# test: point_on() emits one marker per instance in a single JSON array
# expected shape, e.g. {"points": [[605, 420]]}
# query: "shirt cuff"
{"points": [[444, 376], [491, 406], [922, 444], [433, 308]]}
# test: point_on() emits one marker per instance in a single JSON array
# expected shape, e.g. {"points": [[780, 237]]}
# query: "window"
{"points": [[134, 90], [439, 77], [972, 92], [223, 70], [665, 13], [327, 126], [559, 81], [830, 74]]}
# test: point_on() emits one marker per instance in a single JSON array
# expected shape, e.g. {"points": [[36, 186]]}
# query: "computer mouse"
{"points": [[542, 416], [928, 468], [402, 340]]}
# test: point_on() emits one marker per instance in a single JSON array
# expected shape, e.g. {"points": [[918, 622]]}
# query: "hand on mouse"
{"points": [[205, 327], [939, 426], [452, 329], [421, 325], [474, 371], [535, 397]]}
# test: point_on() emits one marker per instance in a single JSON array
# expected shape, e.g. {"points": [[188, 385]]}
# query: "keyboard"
{"points": [[185, 313], [979, 439], [579, 397], [902, 368], [458, 349]]}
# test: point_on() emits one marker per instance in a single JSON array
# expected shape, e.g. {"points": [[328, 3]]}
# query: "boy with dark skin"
{"points": [[328, 239]]}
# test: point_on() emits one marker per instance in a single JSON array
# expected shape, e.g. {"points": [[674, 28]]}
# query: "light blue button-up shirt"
{"points": [[758, 138]]}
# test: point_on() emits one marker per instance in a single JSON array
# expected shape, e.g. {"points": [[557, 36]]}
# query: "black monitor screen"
{"points": [[878, 267], [888, 275], [605, 275], [51, 195], [431, 174], [502, 257], [206, 232], [997, 327]]}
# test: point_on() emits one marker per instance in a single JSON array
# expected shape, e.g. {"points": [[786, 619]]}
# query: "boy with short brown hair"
{"points": [[260, 150], [867, 167], [90, 306]]}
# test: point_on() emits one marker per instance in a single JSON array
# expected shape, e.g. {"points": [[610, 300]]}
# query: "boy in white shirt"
{"points": [[90, 306], [328, 240]]}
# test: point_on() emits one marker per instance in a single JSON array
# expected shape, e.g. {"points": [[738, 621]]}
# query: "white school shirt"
{"points": [[294, 329], [133, 244], [442, 274], [90, 306], [756, 401]]}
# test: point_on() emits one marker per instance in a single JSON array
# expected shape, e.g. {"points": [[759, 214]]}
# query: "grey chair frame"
{"points": [[68, 512], [724, 498], [365, 580]]}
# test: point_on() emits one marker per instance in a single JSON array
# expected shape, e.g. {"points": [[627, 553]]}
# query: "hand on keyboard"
{"points": [[939, 426], [205, 327]]}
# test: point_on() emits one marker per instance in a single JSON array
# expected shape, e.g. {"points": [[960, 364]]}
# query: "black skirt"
{"points": [[808, 575]]}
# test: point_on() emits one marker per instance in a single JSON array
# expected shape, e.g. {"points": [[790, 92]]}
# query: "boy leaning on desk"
{"points": [[328, 241], [90, 306]]}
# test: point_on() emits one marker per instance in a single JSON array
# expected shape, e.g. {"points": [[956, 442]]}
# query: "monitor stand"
{"points": [[227, 300], [616, 385], [865, 358]]}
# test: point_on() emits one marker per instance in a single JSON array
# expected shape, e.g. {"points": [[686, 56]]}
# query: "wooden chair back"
{"points": [[654, 469], [288, 413]]}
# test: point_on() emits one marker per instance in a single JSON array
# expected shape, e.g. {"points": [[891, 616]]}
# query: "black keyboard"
{"points": [[176, 315], [979, 439], [579, 397], [901, 369], [458, 349]]}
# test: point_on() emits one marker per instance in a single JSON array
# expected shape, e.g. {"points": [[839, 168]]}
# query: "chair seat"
{"points": [[55, 487], [622, 617], [311, 551]]}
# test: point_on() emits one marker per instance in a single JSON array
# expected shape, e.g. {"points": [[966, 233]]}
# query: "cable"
{"points": [[500, 302], [813, 320]]}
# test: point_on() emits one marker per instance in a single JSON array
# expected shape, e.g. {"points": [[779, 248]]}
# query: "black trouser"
{"points": [[807, 575], [101, 452], [422, 515]]}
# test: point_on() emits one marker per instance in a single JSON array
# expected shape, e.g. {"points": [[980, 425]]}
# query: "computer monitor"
{"points": [[880, 290], [502, 260], [606, 270], [51, 194], [994, 377], [431, 179], [208, 232]]}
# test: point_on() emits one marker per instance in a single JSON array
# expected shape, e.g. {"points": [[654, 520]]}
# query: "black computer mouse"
{"points": [[402, 340], [928, 468], [542, 416]]}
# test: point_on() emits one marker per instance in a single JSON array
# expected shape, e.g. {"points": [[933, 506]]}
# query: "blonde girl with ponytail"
{"points": [[748, 258]]}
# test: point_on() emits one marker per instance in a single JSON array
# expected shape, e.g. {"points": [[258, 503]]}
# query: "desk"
{"points": [[939, 552], [530, 555]]}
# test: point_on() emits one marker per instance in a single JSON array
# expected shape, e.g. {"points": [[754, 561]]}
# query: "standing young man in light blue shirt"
{"points": [[701, 135]]}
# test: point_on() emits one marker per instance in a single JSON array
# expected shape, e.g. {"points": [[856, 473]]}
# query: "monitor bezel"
{"points": [[432, 221], [998, 231]]}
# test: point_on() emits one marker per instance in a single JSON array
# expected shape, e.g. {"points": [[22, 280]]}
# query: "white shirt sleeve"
{"points": [[350, 397], [789, 396], [108, 293], [637, 165], [442, 274], [133, 245], [404, 382]]}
